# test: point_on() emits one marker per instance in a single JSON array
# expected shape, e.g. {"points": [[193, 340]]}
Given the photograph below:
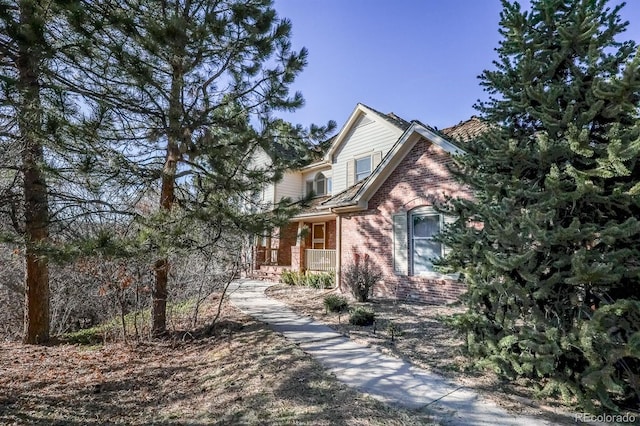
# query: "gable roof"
{"points": [[357, 196], [390, 120]]}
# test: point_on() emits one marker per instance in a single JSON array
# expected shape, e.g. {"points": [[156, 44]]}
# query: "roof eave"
{"points": [[350, 207], [439, 140], [313, 215], [404, 144], [359, 110], [317, 165]]}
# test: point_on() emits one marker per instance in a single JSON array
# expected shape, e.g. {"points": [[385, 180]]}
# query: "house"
{"points": [[374, 188]]}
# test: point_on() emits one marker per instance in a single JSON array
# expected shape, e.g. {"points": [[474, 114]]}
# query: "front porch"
{"points": [[300, 246]]}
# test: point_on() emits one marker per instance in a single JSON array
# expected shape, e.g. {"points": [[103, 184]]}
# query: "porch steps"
{"points": [[269, 272]]}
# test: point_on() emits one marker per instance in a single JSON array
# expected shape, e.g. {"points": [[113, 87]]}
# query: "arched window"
{"points": [[320, 183]]}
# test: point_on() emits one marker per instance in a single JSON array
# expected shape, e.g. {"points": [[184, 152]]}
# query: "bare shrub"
{"points": [[11, 292], [202, 272], [360, 276], [95, 290]]}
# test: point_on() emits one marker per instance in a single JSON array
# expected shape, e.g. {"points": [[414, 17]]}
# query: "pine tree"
{"points": [[550, 246], [193, 87], [46, 136], [25, 51]]}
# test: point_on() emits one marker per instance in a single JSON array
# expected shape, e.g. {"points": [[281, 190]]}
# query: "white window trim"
{"points": [[314, 185], [355, 168], [426, 211], [324, 183]]}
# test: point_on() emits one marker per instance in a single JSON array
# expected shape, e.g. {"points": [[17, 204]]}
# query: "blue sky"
{"points": [[417, 58]]}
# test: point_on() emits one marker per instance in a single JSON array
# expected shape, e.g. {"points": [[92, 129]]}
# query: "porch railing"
{"points": [[320, 260]]}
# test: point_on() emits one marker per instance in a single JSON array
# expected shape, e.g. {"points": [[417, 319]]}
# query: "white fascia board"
{"points": [[317, 165], [397, 154], [313, 216], [438, 140], [388, 164], [350, 208], [359, 110]]}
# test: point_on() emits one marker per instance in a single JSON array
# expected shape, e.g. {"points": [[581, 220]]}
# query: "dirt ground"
{"points": [[427, 342], [244, 374]]}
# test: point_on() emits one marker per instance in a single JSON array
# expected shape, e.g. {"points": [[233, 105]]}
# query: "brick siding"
{"points": [[421, 179], [284, 240]]}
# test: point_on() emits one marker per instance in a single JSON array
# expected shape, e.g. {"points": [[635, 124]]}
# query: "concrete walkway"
{"points": [[383, 377]]}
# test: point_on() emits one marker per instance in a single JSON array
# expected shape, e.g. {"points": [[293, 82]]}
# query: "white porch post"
{"points": [[338, 251], [300, 247], [300, 240], [267, 251]]}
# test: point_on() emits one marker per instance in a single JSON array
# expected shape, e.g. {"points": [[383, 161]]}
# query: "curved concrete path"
{"points": [[383, 377]]}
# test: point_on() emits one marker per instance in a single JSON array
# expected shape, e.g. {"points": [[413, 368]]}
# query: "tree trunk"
{"points": [[167, 195], [159, 307], [36, 318]]}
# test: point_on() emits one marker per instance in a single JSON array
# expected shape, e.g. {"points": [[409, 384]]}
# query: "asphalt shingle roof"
{"points": [[392, 118], [312, 205], [466, 130], [344, 196]]}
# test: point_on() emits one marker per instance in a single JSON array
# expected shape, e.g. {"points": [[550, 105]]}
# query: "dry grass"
{"points": [[245, 374], [425, 341]]}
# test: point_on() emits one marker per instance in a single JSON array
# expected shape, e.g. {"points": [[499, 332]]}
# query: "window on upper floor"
{"points": [[320, 185], [363, 168]]}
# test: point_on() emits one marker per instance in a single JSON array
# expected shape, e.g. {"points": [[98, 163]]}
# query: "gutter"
{"points": [[350, 207]]}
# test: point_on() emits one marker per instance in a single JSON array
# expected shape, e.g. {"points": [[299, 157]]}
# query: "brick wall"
{"points": [[421, 179], [330, 236], [284, 240]]}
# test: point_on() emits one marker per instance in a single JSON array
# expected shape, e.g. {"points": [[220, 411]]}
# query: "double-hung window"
{"points": [[424, 226], [363, 168]]}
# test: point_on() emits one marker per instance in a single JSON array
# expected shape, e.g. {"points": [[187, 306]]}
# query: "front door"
{"points": [[317, 236]]}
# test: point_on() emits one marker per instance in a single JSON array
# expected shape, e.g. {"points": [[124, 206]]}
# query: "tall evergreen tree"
{"points": [[550, 246], [194, 85], [23, 69], [47, 146]]}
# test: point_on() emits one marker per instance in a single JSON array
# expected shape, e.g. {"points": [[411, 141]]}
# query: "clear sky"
{"points": [[417, 58]]}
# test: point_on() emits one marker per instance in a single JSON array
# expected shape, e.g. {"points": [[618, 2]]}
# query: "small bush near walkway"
{"points": [[321, 280], [362, 316], [335, 303]]}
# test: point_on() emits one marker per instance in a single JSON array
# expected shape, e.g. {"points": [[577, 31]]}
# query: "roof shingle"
{"points": [[466, 130], [392, 118]]}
